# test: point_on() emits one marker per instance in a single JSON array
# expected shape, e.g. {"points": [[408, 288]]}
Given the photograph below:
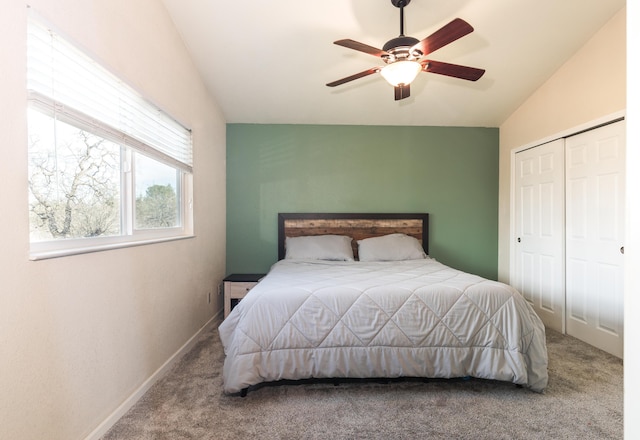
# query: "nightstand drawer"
{"points": [[238, 290], [236, 286]]}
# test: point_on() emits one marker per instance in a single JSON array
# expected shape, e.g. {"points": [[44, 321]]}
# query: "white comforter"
{"points": [[419, 318]]}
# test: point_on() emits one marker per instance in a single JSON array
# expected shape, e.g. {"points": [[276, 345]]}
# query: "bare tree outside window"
{"points": [[74, 181]]}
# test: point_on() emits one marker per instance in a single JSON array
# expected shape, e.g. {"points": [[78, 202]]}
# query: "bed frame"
{"points": [[360, 226], [357, 226]]}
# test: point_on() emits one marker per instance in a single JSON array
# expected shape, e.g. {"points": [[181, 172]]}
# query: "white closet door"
{"points": [[595, 192], [539, 230]]}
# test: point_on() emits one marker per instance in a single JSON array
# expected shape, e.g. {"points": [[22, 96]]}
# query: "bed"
{"points": [[357, 296]]}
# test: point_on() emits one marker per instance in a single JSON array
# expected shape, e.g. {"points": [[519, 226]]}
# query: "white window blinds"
{"points": [[62, 80]]}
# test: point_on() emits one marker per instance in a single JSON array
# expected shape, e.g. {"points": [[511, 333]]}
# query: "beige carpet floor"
{"points": [[584, 400]]}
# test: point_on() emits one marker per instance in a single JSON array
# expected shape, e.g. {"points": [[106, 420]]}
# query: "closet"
{"points": [[568, 246]]}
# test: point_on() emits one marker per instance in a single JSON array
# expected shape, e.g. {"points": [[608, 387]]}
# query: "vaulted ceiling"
{"points": [[267, 61]]}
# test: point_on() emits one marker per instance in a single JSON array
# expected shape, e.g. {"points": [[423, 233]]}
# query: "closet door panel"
{"points": [[539, 230], [577, 277], [595, 234]]}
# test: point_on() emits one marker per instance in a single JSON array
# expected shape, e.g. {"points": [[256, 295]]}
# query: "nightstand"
{"points": [[236, 287]]}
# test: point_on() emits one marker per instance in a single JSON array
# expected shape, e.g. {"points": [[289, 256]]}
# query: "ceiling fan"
{"points": [[405, 56]]}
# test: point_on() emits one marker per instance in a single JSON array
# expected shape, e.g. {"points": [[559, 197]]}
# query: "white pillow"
{"points": [[392, 247], [319, 247]]}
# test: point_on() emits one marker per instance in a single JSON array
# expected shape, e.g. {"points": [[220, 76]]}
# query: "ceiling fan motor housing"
{"points": [[400, 3], [399, 48]]}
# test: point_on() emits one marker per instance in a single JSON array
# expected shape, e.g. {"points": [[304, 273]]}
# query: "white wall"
{"points": [[78, 335], [632, 242], [589, 86]]}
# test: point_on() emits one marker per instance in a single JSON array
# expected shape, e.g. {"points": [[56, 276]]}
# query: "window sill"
{"points": [[56, 253]]}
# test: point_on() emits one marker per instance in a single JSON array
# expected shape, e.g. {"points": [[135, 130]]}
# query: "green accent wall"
{"points": [[449, 172]]}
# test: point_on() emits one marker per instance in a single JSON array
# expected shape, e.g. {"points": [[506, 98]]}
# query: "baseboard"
{"points": [[156, 376]]}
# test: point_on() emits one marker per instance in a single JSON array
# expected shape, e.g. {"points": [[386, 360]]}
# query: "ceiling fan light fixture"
{"points": [[401, 72], [404, 56]]}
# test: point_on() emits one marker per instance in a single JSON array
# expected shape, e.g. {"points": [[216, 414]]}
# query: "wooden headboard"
{"points": [[357, 226]]}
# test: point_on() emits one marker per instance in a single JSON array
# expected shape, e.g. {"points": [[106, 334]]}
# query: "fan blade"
{"points": [[352, 44], [447, 34], [401, 92], [355, 76], [454, 70]]}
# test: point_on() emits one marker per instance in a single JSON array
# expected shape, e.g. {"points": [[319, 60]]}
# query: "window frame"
{"points": [[129, 146]]}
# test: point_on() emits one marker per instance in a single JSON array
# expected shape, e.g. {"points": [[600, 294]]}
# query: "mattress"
{"points": [[418, 318]]}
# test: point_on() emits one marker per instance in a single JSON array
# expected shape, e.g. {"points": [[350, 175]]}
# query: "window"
{"points": [[106, 167]]}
